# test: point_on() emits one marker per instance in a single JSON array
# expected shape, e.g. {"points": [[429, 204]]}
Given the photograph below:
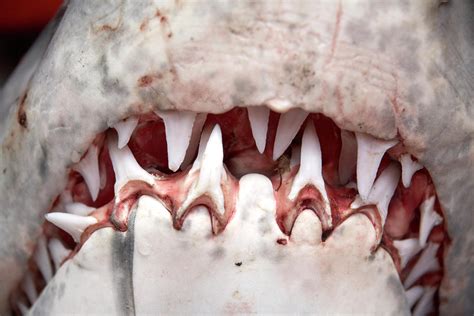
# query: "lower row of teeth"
{"points": [[187, 136]]}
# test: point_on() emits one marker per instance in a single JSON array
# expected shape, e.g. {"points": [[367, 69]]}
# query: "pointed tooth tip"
{"points": [[258, 117], [288, 126], [125, 130], [74, 225], [88, 167]]}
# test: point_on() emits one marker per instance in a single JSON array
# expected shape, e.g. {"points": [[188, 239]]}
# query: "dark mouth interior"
{"points": [[241, 157]]}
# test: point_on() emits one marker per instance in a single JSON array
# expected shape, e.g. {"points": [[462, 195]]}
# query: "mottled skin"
{"points": [[388, 68]]}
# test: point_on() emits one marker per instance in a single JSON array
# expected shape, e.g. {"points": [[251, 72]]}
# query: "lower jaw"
{"points": [[256, 256]]}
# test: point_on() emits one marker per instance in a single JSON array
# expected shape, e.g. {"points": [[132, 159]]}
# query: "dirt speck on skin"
{"points": [[22, 118], [145, 81], [238, 264]]}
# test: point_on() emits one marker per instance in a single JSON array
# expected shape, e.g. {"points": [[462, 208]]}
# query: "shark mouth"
{"points": [[190, 181]]}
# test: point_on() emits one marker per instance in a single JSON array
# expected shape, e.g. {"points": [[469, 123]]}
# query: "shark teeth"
{"points": [[348, 157], [125, 130], [384, 188], [426, 304], [179, 128], [369, 154], [78, 209], [29, 288], [42, 260], [426, 263], [429, 219], [413, 295], [74, 225], [58, 252], [407, 248], [88, 167], [409, 167], [125, 166], [199, 122], [258, 117], [288, 126]]}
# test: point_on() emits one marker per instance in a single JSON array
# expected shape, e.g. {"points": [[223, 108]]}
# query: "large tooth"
{"points": [[307, 229], [429, 219], [74, 225], [29, 288], [310, 171], [384, 188], [258, 117], [426, 304], [348, 157], [125, 166], [409, 167], [369, 154], [78, 209], [88, 167], [42, 260], [179, 128], [407, 248], [288, 126], [427, 262], [194, 141], [58, 252], [413, 295], [125, 129]]}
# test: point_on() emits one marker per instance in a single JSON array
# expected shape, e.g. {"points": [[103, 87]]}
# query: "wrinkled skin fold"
{"points": [[386, 68]]}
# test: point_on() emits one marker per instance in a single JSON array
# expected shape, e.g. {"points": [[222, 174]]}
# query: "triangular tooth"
{"points": [[23, 309], [429, 219], [348, 157], [288, 126], [78, 209], [384, 188], [58, 252], [194, 141], [179, 128], [74, 225], [88, 167], [426, 303], [407, 248], [42, 260], [258, 117], [369, 154], [307, 229], [198, 223], [125, 130], [125, 166], [413, 295], [427, 262], [409, 167], [29, 288]]}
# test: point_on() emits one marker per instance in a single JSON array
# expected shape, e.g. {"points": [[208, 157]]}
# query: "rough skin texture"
{"points": [[384, 67]]}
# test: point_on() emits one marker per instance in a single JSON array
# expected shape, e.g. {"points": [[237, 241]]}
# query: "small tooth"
{"points": [[384, 188], [88, 167], [348, 157], [74, 225], [194, 141], [426, 304], [295, 155], [413, 295], [125, 166], [369, 154], [407, 248], [23, 309], [179, 128], [288, 126], [429, 219], [58, 252], [42, 260], [125, 130], [258, 117], [307, 229], [78, 209], [427, 262], [409, 167], [29, 288]]}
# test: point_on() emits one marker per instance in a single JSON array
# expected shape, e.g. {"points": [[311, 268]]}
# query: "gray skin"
{"points": [[387, 68]]}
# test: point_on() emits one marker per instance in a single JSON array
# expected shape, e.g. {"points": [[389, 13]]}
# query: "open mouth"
{"points": [[322, 191]]}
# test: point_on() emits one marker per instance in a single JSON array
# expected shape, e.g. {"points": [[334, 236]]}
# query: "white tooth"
{"points": [[307, 229], [88, 167], [125, 129], [125, 166], [409, 167], [413, 295], [194, 141], [258, 117], [295, 155], [429, 219], [42, 260], [427, 262], [369, 154], [58, 252], [348, 157], [384, 188], [426, 304], [29, 288], [407, 248], [78, 209], [310, 171], [74, 225], [23, 309], [288, 126], [179, 128]]}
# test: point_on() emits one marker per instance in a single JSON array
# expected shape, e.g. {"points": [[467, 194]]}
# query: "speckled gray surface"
{"points": [[384, 67]]}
